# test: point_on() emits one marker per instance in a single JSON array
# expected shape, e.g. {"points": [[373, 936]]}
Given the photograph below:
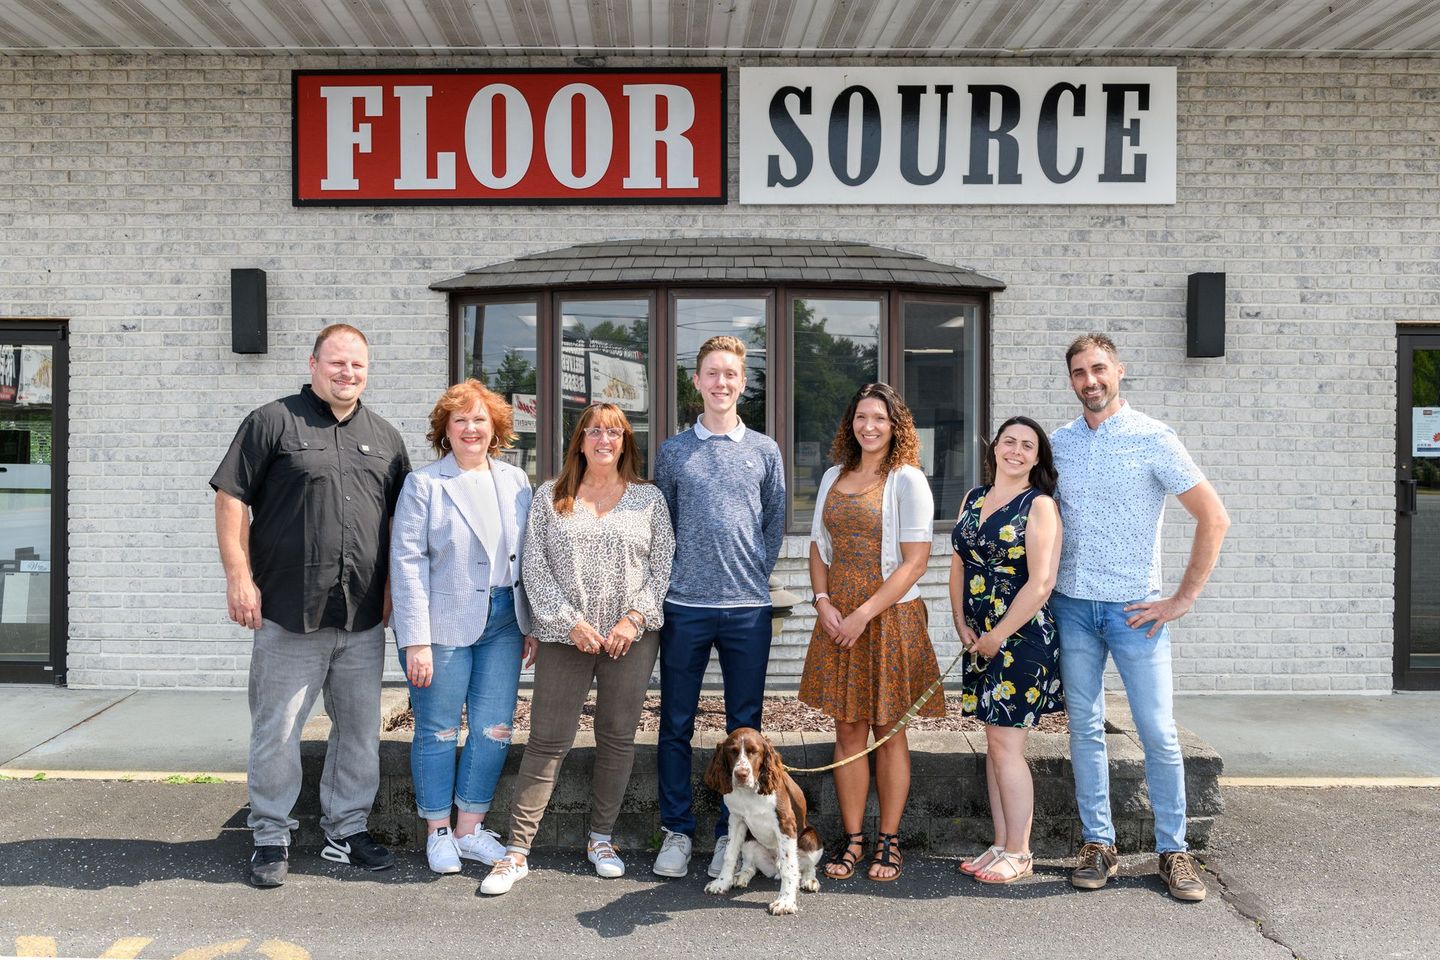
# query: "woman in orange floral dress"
{"points": [[870, 656]]}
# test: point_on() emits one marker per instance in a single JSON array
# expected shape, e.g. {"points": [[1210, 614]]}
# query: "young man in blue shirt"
{"points": [[1117, 466], [725, 487]]}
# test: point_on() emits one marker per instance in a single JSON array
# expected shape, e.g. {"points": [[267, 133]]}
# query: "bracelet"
{"points": [[636, 621]]}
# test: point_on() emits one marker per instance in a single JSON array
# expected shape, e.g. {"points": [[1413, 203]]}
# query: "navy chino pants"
{"points": [[741, 635]]}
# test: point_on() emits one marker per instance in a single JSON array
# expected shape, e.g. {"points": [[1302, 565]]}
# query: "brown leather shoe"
{"points": [[1182, 876], [1097, 863]]}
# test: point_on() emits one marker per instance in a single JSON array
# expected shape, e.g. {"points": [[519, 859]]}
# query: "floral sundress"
{"points": [[1021, 683]]}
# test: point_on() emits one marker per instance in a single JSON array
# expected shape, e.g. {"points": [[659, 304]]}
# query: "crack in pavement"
{"points": [[1249, 906]]}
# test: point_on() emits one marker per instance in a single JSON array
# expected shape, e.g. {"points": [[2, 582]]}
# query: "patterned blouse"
{"points": [[583, 567]]}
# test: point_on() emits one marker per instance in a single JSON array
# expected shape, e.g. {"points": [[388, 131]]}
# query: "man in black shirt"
{"points": [[303, 501]]}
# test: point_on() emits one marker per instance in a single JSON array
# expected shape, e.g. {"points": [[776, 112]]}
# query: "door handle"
{"points": [[1408, 492]]}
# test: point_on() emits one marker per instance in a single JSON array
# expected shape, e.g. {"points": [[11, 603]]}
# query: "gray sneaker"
{"points": [[268, 865], [718, 860], [674, 857]]}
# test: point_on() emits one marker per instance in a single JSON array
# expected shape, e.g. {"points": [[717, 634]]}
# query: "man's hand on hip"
{"points": [[1159, 612]]}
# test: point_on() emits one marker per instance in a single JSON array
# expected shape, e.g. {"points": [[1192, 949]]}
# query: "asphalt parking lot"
{"points": [[154, 870]]}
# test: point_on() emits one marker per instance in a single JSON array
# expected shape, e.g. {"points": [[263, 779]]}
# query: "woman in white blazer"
{"points": [[870, 656], [460, 616]]}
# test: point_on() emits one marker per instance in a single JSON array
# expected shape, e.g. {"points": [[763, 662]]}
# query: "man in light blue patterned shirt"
{"points": [[1116, 468]]}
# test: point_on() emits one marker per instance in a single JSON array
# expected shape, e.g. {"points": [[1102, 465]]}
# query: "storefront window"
{"points": [[498, 348], [697, 319], [604, 354], [836, 350], [942, 391]]}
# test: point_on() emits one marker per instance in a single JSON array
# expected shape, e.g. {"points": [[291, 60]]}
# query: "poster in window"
{"points": [[9, 373], [525, 411], [619, 381], [36, 376], [1425, 431]]}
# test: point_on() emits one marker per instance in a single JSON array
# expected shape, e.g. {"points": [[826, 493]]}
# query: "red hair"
{"points": [[462, 397]]}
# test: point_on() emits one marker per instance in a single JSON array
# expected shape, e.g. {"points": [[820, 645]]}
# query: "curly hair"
{"points": [[461, 397], [904, 439]]}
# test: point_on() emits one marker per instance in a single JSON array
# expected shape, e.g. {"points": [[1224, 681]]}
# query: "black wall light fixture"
{"points": [[1205, 315], [248, 327]]}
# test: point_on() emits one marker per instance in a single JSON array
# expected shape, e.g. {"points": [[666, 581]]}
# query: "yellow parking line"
{"points": [[1330, 781]]}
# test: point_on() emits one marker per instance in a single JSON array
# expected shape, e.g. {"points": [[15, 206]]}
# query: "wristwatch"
{"points": [[818, 598], [636, 621]]}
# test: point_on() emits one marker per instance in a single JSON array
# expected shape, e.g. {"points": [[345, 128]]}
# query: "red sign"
{"points": [[516, 136]]}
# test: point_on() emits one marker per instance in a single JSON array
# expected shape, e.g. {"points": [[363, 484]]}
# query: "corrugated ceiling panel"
{"points": [[701, 27]]}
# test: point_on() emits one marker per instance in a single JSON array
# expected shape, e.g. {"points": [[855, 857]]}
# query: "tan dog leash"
{"points": [[899, 724]]}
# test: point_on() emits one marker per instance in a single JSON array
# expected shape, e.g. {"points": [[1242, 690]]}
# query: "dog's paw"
{"points": [[743, 878], [783, 907], [717, 886], [810, 885]]}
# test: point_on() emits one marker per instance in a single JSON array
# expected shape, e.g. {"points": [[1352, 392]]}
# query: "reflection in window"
{"points": [[604, 352], [836, 352], [940, 387], [498, 340], [27, 413], [697, 319]]}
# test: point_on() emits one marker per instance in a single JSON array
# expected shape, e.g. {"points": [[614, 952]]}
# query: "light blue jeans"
{"points": [[483, 678], [1089, 630]]}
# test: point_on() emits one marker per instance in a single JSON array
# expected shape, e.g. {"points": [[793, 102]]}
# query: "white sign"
{"points": [[957, 135], [525, 411], [37, 376], [618, 381], [1425, 431]]}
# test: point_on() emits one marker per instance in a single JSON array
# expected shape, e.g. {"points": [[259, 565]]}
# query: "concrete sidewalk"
{"points": [[148, 734]]}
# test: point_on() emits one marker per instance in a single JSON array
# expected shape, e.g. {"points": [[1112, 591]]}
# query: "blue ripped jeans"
{"points": [[482, 677]]}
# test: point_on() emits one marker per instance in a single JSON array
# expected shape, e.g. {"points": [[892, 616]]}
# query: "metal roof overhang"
{"points": [[706, 28]]}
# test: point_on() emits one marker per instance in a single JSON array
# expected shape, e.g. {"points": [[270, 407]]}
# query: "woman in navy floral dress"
{"points": [[1007, 551]]}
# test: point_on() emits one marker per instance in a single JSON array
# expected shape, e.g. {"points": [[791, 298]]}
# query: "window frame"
{"points": [[780, 299]]}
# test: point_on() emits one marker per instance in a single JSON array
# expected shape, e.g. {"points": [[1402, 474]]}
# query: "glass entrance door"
{"points": [[1417, 527], [32, 458]]}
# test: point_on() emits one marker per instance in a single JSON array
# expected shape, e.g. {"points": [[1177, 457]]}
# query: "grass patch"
{"points": [[198, 778]]}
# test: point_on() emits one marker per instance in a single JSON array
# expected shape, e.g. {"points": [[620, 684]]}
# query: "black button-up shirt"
{"points": [[321, 494]]}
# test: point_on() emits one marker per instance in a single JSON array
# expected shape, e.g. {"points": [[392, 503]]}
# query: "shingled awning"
{"points": [[728, 260]]}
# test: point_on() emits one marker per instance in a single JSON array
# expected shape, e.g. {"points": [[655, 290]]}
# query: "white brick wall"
{"points": [[129, 186]]}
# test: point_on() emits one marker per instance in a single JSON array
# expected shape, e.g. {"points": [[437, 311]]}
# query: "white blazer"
{"points": [[439, 569], [907, 516]]}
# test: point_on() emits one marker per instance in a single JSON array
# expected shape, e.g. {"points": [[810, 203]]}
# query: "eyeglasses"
{"points": [[609, 433]]}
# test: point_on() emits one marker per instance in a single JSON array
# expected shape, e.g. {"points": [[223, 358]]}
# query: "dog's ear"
{"points": [[772, 771], [718, 775]]}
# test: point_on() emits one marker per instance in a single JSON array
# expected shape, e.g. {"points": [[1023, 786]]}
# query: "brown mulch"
{"points": [[781, 713]]}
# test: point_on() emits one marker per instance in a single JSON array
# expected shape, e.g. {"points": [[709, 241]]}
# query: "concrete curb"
{"points": [[948, 812]]}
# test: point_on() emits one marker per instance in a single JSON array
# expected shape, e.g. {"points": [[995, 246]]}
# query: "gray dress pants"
{"points": [[287, 672]]}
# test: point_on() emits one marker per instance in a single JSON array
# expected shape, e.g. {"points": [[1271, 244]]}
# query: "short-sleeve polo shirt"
{"points": [[321, 494], [1113, 484]]}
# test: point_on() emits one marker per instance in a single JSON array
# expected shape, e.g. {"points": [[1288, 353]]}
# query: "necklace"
{"points": [[601, 499]]}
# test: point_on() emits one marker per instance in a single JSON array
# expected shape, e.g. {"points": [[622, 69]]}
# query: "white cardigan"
{"points": [[907, 510]]}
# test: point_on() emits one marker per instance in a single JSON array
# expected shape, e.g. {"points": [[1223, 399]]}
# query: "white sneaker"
{"points": [[607, 862], [718, 860], [441, 851], [503, 876], [674, 857], [483, 845]]}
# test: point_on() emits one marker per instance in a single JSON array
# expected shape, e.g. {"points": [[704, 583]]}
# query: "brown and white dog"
{"points": [[769, 808]]}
